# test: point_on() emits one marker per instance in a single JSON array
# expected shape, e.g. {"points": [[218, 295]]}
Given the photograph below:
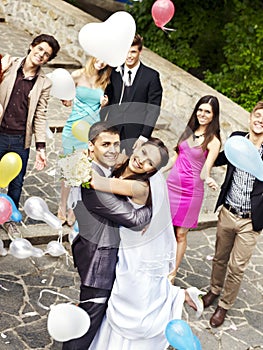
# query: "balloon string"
{"points": [[168, 29], [23, 224], [98, 300], [51, 292], [60, 235], [69, 258], [4, 288]]}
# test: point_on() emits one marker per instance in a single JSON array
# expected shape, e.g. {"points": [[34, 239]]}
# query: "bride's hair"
{"points": [[145, 177]]}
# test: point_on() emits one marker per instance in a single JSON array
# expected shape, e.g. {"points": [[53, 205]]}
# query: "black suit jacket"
{"points": [[256, 194], [95, 249], [136, 112]]}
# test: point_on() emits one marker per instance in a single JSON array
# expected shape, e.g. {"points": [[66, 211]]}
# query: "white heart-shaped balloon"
{"points": [[63, 86], [111, 40]]}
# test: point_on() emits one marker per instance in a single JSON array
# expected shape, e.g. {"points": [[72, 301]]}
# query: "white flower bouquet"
{"points": [[75, 169]]}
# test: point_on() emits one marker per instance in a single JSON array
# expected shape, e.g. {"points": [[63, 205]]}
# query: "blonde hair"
{"points": [[103, 75]]}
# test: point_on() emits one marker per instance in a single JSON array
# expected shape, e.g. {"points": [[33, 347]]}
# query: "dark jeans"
{"points": [[15, 143], [96, 313]]}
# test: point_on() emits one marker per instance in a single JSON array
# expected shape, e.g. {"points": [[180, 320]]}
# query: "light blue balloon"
{"points": [[179, 334], [76, 226], [197, 344], [16, 215], [241, 152]]}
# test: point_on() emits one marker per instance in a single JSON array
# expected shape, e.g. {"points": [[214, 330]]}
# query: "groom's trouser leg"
{"points": [[96, 313]]}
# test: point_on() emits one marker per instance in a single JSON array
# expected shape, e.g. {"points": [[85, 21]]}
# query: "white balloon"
{"points": [[67, 321], [37, 209], [21, 248], [3, 251], [63, 86], [55, 248], [111, 40], [37, 252]]}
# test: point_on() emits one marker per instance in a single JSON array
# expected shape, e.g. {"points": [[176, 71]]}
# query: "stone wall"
{"points": [[55, 17], [181, 90]]}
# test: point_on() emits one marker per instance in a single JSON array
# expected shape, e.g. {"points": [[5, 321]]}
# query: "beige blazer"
{"points": [[37, 104]]}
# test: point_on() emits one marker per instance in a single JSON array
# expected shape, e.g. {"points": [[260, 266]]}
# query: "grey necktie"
{"points": [[129, 77]]}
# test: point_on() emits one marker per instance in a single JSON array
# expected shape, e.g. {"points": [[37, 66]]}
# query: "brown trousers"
{"points": [[235, 242]]}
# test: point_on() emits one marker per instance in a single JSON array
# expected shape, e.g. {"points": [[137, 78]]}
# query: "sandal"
{"points": [[71, 218], [196, 296], [172, 276], [61, 216]]}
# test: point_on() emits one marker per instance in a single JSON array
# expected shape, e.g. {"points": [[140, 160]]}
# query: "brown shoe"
{"points": [[209, 298], [218, 317]]}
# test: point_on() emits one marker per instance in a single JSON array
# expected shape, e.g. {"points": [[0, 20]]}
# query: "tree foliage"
{"points": [[219, 42]]}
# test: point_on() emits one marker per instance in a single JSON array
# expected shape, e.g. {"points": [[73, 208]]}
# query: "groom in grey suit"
{"points": [[99, 216]]}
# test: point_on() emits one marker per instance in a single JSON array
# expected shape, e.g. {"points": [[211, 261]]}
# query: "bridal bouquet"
{"points": [[75, 169]]}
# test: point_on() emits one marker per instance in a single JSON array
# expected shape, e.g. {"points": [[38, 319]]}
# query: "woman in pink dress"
{"points": [[195, 154]]}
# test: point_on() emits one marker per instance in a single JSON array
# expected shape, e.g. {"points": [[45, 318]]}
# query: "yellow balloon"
{"points": [[80, 129], [10, 167]]}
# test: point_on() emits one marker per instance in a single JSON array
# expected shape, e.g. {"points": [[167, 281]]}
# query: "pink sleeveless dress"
{"points": [[185, 187]]}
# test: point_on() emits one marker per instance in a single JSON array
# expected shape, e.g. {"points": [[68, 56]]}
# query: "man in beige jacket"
{"points": [[24, 94]]}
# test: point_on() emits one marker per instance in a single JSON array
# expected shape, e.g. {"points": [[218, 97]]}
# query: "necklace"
{"points": [[197, 136]]}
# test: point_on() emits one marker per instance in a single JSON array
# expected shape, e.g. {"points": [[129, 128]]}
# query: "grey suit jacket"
{"points": [[95, 249], [37, 101]]}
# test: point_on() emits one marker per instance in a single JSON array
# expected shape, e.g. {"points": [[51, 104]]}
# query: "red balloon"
{"points": [[5, 210], [162, 12]]}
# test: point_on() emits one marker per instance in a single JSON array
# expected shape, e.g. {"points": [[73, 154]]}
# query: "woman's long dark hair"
{"points": [[118, 172], [213, 129]]}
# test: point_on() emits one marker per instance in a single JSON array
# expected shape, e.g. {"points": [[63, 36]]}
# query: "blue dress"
{"points": [[85, 107]]}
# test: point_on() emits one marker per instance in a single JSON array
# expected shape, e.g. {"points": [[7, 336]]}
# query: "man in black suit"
{"points": [[99, 216], [134, 99], [240, 222]]}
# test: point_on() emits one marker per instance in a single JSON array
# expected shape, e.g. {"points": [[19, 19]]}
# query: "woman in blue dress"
{"points": [[90, 82]]}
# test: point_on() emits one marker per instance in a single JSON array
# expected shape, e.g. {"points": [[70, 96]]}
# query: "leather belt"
{"points": [[240, 214]]}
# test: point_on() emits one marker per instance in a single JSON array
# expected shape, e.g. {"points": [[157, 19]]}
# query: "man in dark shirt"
{"points": [[24, 93], [239, 224]]}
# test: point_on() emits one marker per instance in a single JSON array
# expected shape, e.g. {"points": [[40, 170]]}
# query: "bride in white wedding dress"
{"points": [[143, 300]]}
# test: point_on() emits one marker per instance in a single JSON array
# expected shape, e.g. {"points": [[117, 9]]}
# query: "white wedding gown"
{"points": [[143, 301]]}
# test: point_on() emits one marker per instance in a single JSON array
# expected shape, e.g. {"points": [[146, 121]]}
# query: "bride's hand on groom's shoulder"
{"points": [[94, 177]]}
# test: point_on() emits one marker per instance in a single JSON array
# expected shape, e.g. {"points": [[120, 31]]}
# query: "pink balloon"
{"points": [[162, 12], [5, 210]]}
